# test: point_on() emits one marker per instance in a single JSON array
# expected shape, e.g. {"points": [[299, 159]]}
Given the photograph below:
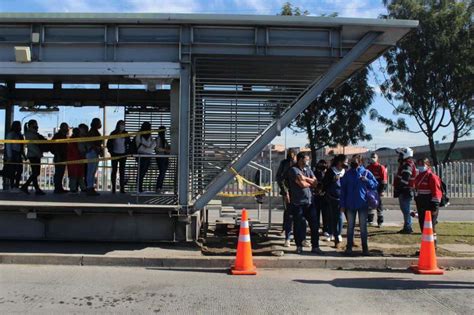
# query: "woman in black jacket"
{"points": [[118, 148]]}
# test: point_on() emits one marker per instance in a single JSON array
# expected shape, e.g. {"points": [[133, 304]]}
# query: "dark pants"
{"points": [[336, 217], [425, 205], [162, 164], [120, 165], [323, 209], [35, 172], [144, 165], [59, 171], [287, 220], [301, 214], [379, 210], [351, 219], [14, 170]]}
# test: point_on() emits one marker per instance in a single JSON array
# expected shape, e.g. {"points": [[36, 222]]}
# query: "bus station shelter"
{"points": [[233, 82]]}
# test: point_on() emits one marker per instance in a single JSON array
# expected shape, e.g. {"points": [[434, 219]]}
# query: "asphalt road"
{"points": [[105, 290]]}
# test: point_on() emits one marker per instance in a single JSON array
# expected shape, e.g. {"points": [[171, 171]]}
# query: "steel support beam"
{"points": [[183, 157], [301, 103]]}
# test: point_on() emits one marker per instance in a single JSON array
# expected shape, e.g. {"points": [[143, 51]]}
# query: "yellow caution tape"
{"points": [[83, 139], [262, 190]]}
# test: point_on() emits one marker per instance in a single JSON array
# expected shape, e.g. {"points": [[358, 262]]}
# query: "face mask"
{"points": [[373, 160], [307, 163], [422, 169]]}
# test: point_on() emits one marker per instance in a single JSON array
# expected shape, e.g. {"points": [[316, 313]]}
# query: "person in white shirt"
{"points": [[118, 148], [146, 146], [162, 148]]}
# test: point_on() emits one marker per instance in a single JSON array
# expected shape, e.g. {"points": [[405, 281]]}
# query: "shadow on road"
{"points": [[390, 283]]}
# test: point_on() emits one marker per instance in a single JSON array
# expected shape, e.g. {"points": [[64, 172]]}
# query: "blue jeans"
{"points": [[351, 218], [405, 203], [336, 216], [301, 214], [91, 169]]}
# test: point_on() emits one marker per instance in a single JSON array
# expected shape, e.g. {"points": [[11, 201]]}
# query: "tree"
{"points": [[335, 117], [429, 74]]}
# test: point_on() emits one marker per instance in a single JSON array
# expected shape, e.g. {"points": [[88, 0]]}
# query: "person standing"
{"points": [[60, 156], [75, 171], [162, 148], [145, 146], [353, 201], [94, 150], [301, 179], [332, 189], [82, 147], [118, 148], [34, 155], [14, 152], [428, 193], [320, 200], [404, 185], [380, 173], [282, 180]]}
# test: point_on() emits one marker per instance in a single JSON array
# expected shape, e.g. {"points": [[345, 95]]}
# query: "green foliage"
{"points": [[336, 116], [429, 74]]}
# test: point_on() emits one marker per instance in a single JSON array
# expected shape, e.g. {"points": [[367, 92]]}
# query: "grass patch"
{"points": [[448, 233]]}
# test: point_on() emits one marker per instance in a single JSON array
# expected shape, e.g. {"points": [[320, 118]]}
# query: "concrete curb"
{"points": [[225, 262]]}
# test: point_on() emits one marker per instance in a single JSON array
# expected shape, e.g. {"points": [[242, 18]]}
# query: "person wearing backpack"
{"points": [[355, 185], [118, 148], [428, 193]]}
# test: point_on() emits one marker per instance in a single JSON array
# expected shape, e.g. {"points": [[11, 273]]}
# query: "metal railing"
{"points": [[458, 177]]}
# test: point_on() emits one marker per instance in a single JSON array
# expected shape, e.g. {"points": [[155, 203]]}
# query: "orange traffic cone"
{"points": [[427, 264], [243, 261]]}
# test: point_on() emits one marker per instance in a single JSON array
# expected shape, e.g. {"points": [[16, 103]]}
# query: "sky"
{"points": [[344, 8]]}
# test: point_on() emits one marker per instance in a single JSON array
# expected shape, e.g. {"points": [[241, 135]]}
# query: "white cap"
{"points": [[406, 152]]}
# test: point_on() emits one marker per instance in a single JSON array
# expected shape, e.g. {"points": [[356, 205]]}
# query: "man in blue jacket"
{"points": [[353, 201]]}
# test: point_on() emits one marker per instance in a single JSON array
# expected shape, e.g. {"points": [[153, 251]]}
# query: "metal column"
{"points": [[273, 130], [183, 158]]}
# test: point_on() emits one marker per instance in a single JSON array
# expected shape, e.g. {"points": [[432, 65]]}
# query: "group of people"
{"points": [[348, 188], [83, 156]]}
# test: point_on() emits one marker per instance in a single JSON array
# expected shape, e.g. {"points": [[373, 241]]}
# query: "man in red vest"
{"points": [[380, 173]]}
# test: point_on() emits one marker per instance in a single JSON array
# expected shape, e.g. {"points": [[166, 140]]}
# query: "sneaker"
{"points": [[92, 192], [380, 225], [373, 224], [287, 243], [366, 253], [327, 238], [306, 243], [339, 238], [405, 231], [332, 238], [25, 190], [317, 251], [326, 234], [39, 192], [299, 250]]}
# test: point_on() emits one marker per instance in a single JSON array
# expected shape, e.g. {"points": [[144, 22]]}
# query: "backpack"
{"points": [[444, 202]]}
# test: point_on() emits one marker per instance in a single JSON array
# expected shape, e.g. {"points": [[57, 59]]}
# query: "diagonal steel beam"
{"points": [[300, 104]]}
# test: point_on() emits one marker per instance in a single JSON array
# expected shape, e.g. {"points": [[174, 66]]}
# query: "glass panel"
{"points": [[15, 34], [148, 34], [75, 34], [224, 35], [298, 37]]}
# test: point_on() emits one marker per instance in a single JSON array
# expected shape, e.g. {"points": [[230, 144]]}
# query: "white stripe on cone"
{"points": [[244, 224], [428, 225], [427, 238], [244, 238]]}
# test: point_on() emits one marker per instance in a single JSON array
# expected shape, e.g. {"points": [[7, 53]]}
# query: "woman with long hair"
{"points": [[117, 149], [13, 156], [146, 146]]}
